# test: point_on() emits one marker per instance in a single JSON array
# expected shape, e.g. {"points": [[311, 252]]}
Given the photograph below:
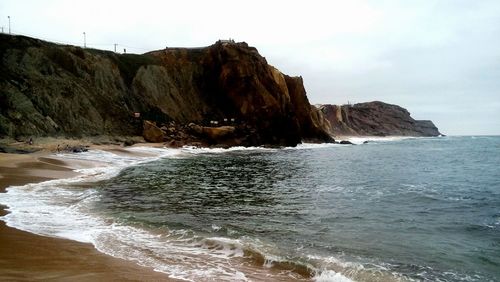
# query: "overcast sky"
{"points": [[438, 59]]}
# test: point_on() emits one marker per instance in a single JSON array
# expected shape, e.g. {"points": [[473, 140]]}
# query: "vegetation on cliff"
{"points": [[50, 89], [223, 94]]}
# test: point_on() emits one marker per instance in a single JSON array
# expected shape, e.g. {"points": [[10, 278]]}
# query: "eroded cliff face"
{"points": [[315, 126], [49, 89], [375, 119]]}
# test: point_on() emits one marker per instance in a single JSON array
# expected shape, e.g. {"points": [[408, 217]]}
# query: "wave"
{"points": [[362, 139], [205, 150], [58, 209], [54, 207], [331, 276], [308, 146], [65, 208]]}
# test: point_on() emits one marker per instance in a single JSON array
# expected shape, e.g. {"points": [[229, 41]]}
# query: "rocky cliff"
{"points": [[50, 89], [375, 118]]}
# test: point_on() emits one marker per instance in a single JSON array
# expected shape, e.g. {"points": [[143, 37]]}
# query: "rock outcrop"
{"points": [[375, 119], [152, 133], [50, 89]]}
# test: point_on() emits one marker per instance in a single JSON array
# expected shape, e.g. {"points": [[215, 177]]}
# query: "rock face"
{"points": [[315, 126], [50, 89], [375, 118], [152, 133]]}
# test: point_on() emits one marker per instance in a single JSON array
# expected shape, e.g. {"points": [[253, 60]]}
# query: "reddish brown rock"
{"points": [[376, 119], [50, 89], [152, 133], [313, 125], [215, 134], [92, 92]]}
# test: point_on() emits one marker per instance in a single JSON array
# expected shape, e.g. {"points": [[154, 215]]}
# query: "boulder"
{"points": [[219, 133], [152, 133], [214, 134]]}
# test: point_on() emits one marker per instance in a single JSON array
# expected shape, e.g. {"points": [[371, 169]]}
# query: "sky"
{"points": [[440, 59]]}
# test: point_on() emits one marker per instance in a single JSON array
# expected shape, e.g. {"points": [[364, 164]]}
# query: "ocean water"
{"points": [[414, 209]]}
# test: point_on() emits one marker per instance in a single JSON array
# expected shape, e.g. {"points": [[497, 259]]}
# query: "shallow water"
{"points": [[411, 209]]}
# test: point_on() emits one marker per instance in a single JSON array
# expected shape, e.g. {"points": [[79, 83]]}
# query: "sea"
{"points": [[392, 209]]}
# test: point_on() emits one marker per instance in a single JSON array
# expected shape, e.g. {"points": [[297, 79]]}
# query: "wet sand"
{"points": [[28, 257]]}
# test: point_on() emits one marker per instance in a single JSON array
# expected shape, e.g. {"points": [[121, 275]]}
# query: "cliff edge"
{"points": [[375, 119], [225, 93]]}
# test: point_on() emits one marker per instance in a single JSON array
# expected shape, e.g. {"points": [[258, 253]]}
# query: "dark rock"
{"points": [[312, 123], [128, 142], [79, 149], [375, 119], [72, 149], [345, 142], [152, 133], [215, 135], [50, 89]]}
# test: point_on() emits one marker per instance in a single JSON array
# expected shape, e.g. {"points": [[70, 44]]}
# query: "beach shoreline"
{"points": [[26, 256]]}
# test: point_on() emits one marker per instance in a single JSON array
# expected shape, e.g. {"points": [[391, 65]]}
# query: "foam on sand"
{"points": [[65, 208]]}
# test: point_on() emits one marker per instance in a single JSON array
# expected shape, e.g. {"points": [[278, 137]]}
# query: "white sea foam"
{"points": [[224, 247], [338, 269], [361, 139], [331, 276], [307, 146], [185, 257], [200, 150], [57, 208], [355, 140], [302, 146]]}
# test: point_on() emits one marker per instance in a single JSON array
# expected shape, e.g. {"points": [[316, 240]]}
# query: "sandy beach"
{"points": [[28, 257]]}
